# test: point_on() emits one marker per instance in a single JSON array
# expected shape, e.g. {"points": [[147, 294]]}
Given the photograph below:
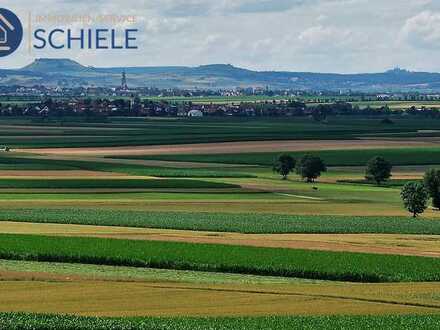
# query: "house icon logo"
{"points": [[11, 32]]}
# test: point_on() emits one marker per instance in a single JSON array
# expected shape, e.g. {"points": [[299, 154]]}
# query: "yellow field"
{"points": [[42, 293]]}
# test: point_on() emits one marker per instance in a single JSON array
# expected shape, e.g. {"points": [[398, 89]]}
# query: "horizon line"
{"points": [[395, 68]]}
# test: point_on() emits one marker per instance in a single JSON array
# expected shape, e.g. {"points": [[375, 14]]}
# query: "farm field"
{"points": [[23, 321], [417, 245], [182, 224], [426, 155], [141, 132], [243, 147]]}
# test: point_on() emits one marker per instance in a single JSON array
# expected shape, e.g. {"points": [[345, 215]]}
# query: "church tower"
{"points": [[124, 85]]}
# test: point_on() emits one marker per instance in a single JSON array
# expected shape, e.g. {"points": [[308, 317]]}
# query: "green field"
{"points": [[17, 321], [398, 156], [216, 245], [146, 274], [12, 162], [353, 267], [225, 222], [108, 183], [147, 131]]}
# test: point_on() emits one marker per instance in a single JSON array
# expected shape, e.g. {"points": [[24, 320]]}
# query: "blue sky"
{"points": [[295, 35]]}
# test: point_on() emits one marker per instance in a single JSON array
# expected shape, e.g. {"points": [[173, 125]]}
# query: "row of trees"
{"points": [[415, 195], [308, 167]]}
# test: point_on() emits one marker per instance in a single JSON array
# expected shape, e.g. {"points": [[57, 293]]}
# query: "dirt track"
{"points": [[239, 147]]}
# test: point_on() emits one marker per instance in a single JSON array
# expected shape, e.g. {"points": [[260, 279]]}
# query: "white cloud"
{"points": [[298, 35], [187, 8], [324, 39], [423, 30]]}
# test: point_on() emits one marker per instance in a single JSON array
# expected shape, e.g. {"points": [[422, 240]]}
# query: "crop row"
{"points": [[15, 321], [355, 267], [225, 222]]}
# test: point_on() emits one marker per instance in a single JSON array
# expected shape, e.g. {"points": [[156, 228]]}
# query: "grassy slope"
{"points": [[40, 322], [223, 222], [354, 267]]}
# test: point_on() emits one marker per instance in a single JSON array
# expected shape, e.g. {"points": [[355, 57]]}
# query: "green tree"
{"points": [[432, 184], [284, 165], [378, 170], [415, 198], [310, 167]]}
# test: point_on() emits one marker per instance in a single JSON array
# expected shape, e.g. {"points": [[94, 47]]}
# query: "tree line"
{"points": [[415, 195]]}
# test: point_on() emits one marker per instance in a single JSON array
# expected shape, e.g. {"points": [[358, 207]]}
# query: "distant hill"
{"points": [[55, 66], [67, 72]]}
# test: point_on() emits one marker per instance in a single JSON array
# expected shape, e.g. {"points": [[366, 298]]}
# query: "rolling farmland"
{"points": [[143, 215]]}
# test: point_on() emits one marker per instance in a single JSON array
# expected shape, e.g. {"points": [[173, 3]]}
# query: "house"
{"points": [[195, 113], [5, 26]]}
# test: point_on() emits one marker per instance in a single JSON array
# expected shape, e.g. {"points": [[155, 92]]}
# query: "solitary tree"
{"points": [[432, 184], [284, 165], [378, 170], [415, 198], [310, 167]]}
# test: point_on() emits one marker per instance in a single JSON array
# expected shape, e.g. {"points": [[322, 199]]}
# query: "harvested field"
{"points": [[119, 298], [240, 147], [416, 245]]}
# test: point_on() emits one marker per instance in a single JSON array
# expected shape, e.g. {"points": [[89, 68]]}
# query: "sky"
{"points": [[344, 36]]}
